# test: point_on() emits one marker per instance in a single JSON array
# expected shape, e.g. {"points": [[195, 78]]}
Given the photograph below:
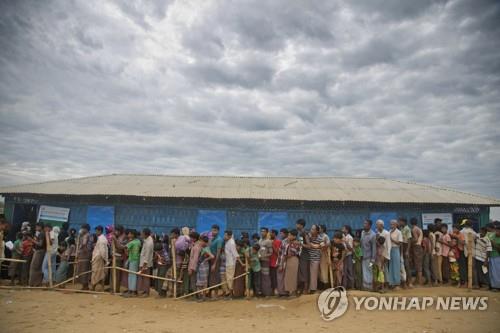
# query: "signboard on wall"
{"points": [[428, 218], [100, 215], [273, 220], [54, 216]]}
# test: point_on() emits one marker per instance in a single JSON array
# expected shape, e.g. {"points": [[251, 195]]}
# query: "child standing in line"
{"points": [[453, 256], [378, 267], [427, 249], [255, 266], [338, 255], [68, 249], [356, 259]]}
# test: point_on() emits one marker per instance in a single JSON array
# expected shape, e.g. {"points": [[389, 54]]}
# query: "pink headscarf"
{"points": [[109, 233]]}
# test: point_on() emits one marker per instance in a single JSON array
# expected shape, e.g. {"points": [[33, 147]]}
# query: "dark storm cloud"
{"points": [[404, 90]]}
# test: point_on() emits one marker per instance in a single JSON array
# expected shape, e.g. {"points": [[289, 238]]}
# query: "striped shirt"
{"points": [[315, 254], [483, 246]]}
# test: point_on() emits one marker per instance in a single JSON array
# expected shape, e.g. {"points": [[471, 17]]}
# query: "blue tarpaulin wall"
{"points": [[273, 220], [206, 218], [384, 216], [100, 215]]}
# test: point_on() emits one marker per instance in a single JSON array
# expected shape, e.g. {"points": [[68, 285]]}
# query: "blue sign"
{"points": [[273, 220], [207, 218], [100, 215]]}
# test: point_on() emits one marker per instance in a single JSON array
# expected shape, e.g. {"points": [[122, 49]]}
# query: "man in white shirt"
{"points": [[145, 263], [384, 233], [99, 259], [231, 257]]}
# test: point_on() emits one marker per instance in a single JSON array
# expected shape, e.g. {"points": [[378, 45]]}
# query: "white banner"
{"points": [[428, 218], [56, 215]]}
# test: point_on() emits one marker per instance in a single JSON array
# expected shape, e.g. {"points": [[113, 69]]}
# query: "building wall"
{"points": [[161, 218]]}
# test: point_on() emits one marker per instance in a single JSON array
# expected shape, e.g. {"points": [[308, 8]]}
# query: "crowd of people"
{"points": [[282, 263]]}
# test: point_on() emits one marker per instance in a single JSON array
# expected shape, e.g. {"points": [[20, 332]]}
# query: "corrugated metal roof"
{"points": [[270, 188]]}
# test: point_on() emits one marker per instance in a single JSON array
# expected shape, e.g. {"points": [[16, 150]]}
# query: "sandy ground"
{"points": [[51, 311]]}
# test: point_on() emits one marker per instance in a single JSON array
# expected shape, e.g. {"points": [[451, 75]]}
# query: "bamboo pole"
{"points": [[75, 277], [54, 289], [209, 288], [13, 260], [330, 267], [75, 265], [247, 282], [113, 248], [146, 275], [49, 256], [174, 266], [469, 260]]}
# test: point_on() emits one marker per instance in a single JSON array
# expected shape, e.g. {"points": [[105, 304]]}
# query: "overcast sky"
{"points": [[398, 89]]}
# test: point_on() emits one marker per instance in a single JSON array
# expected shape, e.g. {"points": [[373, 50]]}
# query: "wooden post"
{"points": [[75, 265], [174, 266], [49, 256], [247, 279], [113, 263], [330, 268], [470, 241]]}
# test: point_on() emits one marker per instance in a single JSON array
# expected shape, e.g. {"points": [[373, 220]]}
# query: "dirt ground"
{"points": [[52, 311]]}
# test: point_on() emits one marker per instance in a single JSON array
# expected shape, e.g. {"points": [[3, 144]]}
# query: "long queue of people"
{"points": [[280, 263]]}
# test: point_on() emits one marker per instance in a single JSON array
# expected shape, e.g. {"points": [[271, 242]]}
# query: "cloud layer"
{"points": [[355, 88]]}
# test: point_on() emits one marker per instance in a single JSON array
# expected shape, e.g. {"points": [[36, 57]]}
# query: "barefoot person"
{"points": [[314, 257], [291, 266], [99, 259], [231, 255], [265, 252], [406, 249], [203, 268], [273, 261], [394, 277], [133, 253], [36, 275], [145, 263], [348, 274], [417, 251], [369, 250], [281, 263], [216, 248], [84, 253]]}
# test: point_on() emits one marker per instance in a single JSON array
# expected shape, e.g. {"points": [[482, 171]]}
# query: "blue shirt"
{"points": [[368, 245], [216, 245]]}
